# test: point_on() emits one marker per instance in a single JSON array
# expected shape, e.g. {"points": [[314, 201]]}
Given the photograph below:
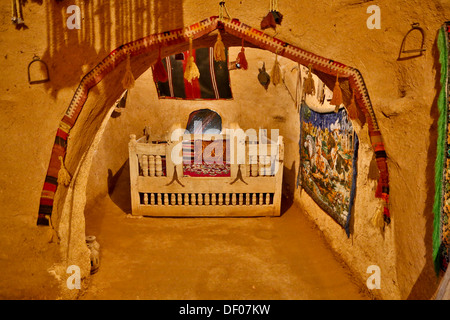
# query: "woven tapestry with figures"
{"points": [[328, 154]]}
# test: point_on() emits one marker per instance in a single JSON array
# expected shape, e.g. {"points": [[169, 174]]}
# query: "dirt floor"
{"points": [[214, 258]]}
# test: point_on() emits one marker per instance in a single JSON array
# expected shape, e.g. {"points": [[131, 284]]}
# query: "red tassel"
{"points": [[241, 59], [159, 72]]}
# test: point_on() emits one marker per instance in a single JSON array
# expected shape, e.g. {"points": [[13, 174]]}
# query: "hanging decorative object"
{"points": [[17, 16], [191, 72], [128, 79], [222, 8], [159, 72], [276, 72], [329, 152], [309, 86], [219, 49], [416, 52], [241, 59], [378, 218], [63, 175], [273, 18], [337, 94], [351, 108], [278, 17], [37, 60], [268, 22], [264, 77]]}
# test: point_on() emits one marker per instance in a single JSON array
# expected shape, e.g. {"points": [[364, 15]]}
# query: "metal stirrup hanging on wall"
{"points": [[404, 54], [36, 59]]}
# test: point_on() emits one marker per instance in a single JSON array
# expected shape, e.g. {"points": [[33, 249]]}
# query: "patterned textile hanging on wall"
{"points": [[213, 83], [441, 208], [328, 158]]}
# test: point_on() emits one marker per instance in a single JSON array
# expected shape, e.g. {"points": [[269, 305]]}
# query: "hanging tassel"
{"points": [[337, 94], [219, 49], [128, 79], [276, 72], [241, 59], [309, 87], [191, 72], [159, 72], [378, 218], [63, 175]]}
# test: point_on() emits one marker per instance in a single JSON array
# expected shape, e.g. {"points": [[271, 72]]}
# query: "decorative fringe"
{"points": [[378, 218], [191, 72], [63, 175], [309, 87], [219, 49], [159, 72], [128, 79], [275, 74], [337, 94], [241, 59]]}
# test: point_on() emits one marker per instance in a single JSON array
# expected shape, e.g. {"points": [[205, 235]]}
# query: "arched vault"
{"points": [[233, 33]]}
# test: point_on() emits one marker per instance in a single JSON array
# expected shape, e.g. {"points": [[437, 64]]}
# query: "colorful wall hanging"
{"points": [[328, 157], [170, 39], [213, 83], [441, 207]]}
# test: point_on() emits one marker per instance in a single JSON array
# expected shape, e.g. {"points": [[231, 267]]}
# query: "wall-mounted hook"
{"points": [[415, 52], [36, 59]]}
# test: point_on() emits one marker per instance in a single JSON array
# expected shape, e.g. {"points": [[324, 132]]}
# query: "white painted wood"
{"points": [[212, 196]]}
